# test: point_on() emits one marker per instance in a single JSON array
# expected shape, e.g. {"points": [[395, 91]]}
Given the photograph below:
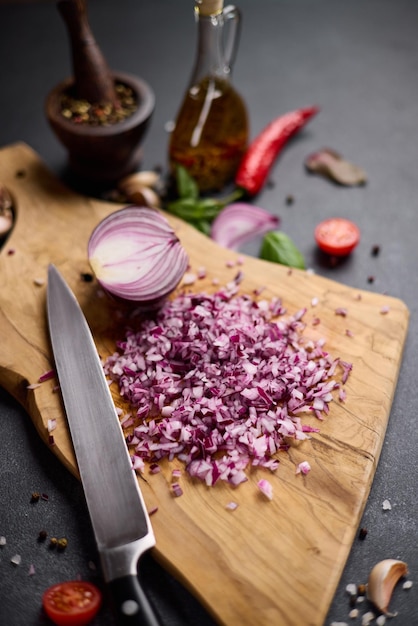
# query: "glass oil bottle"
{"points": [[211, 128]]}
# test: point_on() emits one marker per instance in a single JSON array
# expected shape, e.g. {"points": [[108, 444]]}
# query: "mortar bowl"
{"points": [[102, 154]]}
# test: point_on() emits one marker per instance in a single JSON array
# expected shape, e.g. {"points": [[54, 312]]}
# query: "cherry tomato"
{"points": [[337, 236], [72, 603]]}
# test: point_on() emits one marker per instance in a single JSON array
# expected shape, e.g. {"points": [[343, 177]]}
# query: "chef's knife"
{"points": [[117, 510]]}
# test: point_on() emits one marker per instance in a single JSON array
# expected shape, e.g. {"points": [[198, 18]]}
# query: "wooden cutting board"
{"points": [[268, 562]]}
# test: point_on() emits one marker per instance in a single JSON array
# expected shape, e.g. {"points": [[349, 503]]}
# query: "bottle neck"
{"points": [[210, 58]]}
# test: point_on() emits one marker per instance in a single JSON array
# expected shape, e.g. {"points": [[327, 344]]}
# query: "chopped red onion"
{"points": [[240, 222], [220, 381], [46, 376], [52, 424], [266, 488], [189, 279], [177, 490], [303, 468], [136, 255], [33, 386], [153, 510]]}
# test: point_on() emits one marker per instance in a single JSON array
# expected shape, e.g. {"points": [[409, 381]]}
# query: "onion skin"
{"points": [[240, 222], [136, 256]]}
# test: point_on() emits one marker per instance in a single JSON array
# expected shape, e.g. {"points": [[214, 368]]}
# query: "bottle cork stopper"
{"points": [[210, 7]]}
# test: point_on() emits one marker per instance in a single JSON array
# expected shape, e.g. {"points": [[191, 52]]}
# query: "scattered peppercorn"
{"points": [[361, 590], [375, 250], [35, 497], [370, 279], [362, 534], [289, 199], [20, 173], [62, 543], [87, 277], [42, 535], [53, 542]]}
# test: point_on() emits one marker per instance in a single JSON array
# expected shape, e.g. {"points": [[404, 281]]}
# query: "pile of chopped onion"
{"points": [[220, 381], [136, 255]]}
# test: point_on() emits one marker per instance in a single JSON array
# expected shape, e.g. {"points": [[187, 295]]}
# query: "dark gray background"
{"points": [[358, 61]]}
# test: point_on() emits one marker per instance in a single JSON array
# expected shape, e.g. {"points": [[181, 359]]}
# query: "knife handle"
{"points": [[130, 604]]}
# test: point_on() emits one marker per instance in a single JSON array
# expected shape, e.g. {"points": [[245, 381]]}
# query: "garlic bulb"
{"points": [[382, 581]]}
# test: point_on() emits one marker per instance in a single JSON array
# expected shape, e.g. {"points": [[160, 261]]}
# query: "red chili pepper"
{"points": [[259, 158]]}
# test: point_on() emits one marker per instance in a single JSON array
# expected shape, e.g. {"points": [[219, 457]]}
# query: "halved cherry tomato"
{"points": [[337, 236], [72, 603]]}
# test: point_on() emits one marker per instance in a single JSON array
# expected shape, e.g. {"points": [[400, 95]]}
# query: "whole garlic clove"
{"points": [[382, 581], [139, 188], [144, 178]]}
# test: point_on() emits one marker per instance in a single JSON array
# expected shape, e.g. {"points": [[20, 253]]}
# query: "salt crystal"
{"points": [[407, 584], [353, 614], [381, 620], [2, 541], [351, 589], [31, 571], [16, 559], [386, 505], [231, 506], [367, 618]]}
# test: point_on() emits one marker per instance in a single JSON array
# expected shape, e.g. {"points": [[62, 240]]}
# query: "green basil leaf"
{"points": [[191, 210], [208, 208], [186, 185], [203, 226], [279, 248], [184, 208]]}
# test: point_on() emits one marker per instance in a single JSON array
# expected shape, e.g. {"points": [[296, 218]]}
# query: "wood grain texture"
{"points": [[266, 563]]}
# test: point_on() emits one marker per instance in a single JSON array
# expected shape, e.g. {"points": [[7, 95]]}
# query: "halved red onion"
{"points": [[240, 222], [135, 255]]}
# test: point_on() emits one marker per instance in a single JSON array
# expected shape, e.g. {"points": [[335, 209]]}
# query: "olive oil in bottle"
{"points": [[211, 129]]}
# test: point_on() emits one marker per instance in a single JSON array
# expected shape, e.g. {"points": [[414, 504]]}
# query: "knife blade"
{"points": [[116, 506]]}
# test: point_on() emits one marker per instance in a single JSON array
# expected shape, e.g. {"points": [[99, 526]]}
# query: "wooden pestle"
{"points": [[92, 77]]}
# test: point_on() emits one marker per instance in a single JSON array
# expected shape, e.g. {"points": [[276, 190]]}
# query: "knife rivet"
{"points": [[130, 607]]}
